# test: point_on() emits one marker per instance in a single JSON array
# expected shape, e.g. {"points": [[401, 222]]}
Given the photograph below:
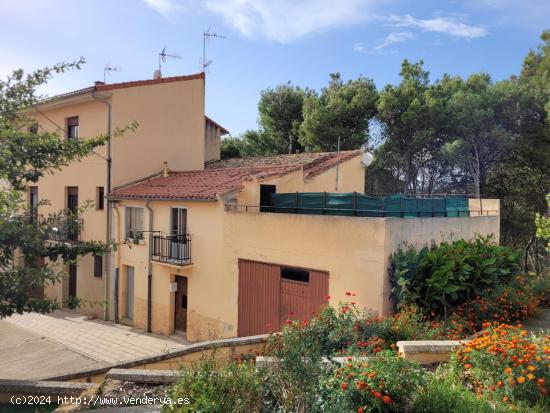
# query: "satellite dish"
{"points": [[366, 159]]}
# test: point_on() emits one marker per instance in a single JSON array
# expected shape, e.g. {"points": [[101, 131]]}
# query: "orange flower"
{"points": [[531, 368], [386, 399], [360, 410], [521, 379], [540, 382], [531, 376], [508, 370], [467, 366], [344, 386]]}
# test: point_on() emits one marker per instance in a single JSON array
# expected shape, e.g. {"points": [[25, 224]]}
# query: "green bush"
{"points": [[211, 387], [442, 396], [385, 383], [437, 279]]}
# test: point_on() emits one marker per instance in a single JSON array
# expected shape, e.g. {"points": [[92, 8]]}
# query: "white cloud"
{"points": [[445, 25], [164, 7], [284, 21], [394, 37], [358, 47]]}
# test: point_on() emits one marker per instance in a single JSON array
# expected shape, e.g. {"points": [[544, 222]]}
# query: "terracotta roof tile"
{"points": [[197, 185], [110, 86], [221, 177]]}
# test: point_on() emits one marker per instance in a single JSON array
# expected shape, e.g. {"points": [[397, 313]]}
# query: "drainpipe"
{"points": [[108, 223], [117, 259], [149, 268]]}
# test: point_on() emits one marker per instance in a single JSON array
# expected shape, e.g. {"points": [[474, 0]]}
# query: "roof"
{"points": [[225, 176], [100, 86], [196, 185], [314, 163], [223, 131]]}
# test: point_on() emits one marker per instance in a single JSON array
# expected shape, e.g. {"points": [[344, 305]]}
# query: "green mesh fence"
{"points": [[356, 204]]}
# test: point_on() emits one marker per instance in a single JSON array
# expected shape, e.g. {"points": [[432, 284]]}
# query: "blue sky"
{"points": [[268, 41]]}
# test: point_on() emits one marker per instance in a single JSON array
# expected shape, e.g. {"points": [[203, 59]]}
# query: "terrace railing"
{"points": [[173, 249]]}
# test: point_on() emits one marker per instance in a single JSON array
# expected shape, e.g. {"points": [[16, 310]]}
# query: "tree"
{"points": [[26, 154], [342, 111], [231, 147], [281, 116], [407, 126], [481, 116]]}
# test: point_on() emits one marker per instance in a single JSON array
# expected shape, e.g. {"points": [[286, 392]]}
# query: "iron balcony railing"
{"points": [[64, 229], [173, 249]]}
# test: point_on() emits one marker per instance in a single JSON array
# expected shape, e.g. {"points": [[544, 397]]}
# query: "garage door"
{"points": [[269, 294]]}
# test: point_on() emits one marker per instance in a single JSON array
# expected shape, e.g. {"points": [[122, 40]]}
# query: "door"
{"points": [[265, 197], [180, 319], [72, 280], [178, 233], [258, 308], [129, 293], [303, 292]]}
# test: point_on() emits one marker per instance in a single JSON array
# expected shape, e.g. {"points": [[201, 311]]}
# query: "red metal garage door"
{"points": [[259, 285], [268, 299]]}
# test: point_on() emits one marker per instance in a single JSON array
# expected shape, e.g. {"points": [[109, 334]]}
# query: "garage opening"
{"points": [[271, 294]]}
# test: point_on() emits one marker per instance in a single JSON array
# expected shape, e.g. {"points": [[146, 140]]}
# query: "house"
{"points": [[210, 253], [172, 128]]}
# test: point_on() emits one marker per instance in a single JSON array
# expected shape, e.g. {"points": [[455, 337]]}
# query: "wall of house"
{"points": [[212, 143], [171, 128]]}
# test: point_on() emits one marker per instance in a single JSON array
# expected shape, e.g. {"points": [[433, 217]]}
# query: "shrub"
{"points": [[504, 364], [386, 383], [438, 278], [211, 387], [442, 396]]}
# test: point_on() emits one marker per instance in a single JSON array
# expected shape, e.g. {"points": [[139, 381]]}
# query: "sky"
{"points": [[267, 42]]}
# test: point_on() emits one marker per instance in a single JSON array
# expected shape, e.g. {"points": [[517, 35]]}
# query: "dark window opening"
{"points": [[98, 265], [266, 204], [72, 198], [72, 127], [295, 274], [100, 193]]}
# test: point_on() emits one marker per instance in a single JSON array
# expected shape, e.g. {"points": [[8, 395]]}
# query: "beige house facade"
{"points": [[236, 268], [172, 128]]}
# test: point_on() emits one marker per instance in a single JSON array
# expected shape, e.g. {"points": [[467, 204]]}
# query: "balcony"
{"points": [[63, 228], [174, 249]]}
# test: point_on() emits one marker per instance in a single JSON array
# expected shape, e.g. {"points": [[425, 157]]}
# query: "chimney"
{"points": [[165, 170], [157, 74]]}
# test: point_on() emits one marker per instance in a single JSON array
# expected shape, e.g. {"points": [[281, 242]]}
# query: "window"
{"points": [[98, 266], [99, 198], [295, 274], [179, 221], [72, 198], [33, 203], [72, 127], [134, 222]]}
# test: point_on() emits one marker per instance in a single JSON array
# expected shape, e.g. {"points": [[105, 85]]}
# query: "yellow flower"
{"points": [[531, 368], [521, 379], [531, 376]]}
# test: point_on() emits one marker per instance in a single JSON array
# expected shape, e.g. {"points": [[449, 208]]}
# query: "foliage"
{"points": [[384, 383], [280, 112], [441, 395], [543, 225], [504, 364], [27, 154], [441, 277], [214, 388], [341, 111]]}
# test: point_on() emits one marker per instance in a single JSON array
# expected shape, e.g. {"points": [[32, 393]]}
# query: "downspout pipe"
{"points": [[108, 209], [117, 260], [149, 268]]}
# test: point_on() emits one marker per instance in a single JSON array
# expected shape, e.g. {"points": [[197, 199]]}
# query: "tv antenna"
{"points": [[207, 35], [163, 55], [108, 68]]}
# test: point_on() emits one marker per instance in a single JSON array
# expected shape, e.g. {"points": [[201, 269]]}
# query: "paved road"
{"points": [[539, 324], [35, 346]]}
